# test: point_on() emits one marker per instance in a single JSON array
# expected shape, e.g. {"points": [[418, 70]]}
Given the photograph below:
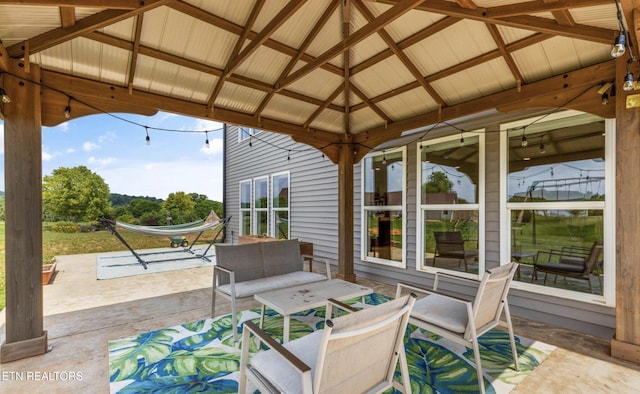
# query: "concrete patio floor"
{"points": [[82, 314]]}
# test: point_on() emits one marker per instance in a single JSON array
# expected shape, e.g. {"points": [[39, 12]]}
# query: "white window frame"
{"points": [[257, 210], [242, 210], [273, 223], [479, 206], [402, 208], [607, 206]]}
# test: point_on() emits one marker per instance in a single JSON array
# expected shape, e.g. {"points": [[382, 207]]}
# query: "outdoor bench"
{"points": [[241, 271]]}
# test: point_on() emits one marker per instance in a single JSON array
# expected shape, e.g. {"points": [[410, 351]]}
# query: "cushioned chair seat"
{"points": [[255, 286], [442, 312]]}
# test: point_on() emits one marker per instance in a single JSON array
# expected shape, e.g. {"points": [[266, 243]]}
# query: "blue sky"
{"points": [[116, 150]]}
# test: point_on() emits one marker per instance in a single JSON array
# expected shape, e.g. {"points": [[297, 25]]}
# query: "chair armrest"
{"points": [[400, 286], [332, 302], [451, 276], [273, 344], [323, 259]]}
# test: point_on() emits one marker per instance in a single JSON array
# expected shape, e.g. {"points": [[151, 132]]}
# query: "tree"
{"points": [[75, 194], [140, 206], [181, 207], [204, 206], [437, 183]]}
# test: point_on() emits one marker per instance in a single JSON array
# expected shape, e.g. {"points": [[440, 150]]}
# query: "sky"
{"points": [[113, 146]]}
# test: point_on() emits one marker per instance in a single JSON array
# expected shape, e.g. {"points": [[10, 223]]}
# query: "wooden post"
{"points": [[345, 214], [626, 342], [25, 336]]}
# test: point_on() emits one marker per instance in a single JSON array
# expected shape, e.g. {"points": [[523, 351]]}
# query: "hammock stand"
{"points": [[169, 231]]}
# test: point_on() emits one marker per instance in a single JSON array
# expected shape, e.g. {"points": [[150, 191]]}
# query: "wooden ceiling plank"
{"points": [[401, 55], [237, 29], [534, 7], [324, 106], [93, 22], [385, 18], [324, 18], [236, 49], [134, 52], [582, 77], [526, 22], [287, 12], [67, 16], [110, 4], [497, 38]]}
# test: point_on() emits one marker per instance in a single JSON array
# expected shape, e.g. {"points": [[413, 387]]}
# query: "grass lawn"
{"points": [[58, 244]]}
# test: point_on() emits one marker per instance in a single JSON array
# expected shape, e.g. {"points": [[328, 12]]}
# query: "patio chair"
{"points": [[450, 244], [465, 321], [354, 353], [572, 262]]}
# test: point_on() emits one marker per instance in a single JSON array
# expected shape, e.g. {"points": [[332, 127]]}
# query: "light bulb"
{"points": [[206, 143], [67, 112], [605, 98], [542, 150], [629, 83], [618, 46], [148, 140], [524, 141], [5, 97]]}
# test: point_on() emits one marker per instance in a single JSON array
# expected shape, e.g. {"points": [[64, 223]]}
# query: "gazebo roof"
{"points": [[325, 72]]}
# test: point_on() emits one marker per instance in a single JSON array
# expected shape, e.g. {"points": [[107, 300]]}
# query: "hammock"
{"points": [[198, 227]]}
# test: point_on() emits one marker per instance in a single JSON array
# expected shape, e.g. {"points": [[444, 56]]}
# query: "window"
{"points": [[383, 236], [245, 207], [245, 132], [261, 206], [280, 205], [556, 189], [449, 200]]}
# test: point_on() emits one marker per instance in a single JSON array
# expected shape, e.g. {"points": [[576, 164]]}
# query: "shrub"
{"points": [[65, 227]]}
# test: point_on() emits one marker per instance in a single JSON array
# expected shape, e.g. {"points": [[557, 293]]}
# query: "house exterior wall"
{"points": [[314, 215]]}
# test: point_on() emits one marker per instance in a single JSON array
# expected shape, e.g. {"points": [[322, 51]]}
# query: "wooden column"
{"points": [[626, 342], [25, 336], [345, 214]]}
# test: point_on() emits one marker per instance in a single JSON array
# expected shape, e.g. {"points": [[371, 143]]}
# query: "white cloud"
{"points": [[46, 156], [102, 161], [89, 146], [109, 136], [69, 150]]}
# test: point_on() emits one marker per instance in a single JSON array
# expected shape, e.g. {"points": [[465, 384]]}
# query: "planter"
{"points": [[48, 270]]}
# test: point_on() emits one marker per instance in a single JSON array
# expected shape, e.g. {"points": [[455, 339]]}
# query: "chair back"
{"points": [[491, 297], [448, 241], [591, 262], [359, 351]]}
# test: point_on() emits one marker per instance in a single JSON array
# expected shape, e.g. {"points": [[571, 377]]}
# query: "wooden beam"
{"points": [[111, 4], [25, 335], [93, 22], [345, 213], [576, 79]]}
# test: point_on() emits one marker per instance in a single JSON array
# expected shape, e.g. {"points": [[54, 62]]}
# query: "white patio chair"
{"points": [[464, 321], [354, 353]]}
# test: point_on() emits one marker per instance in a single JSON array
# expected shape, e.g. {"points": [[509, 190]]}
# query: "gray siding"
{"points": [[314, 215]]}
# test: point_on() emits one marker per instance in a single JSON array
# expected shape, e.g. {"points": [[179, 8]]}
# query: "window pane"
{"points": [[534, 233], [261, 193], [281, 191], [245, 195], [563, 162], [246, 223], [450, 172], [383, 179], [261, 223], [281, 220], [385, 235], [464, 223]]}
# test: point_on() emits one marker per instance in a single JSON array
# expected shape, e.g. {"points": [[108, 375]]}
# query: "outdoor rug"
{"points": [[201, 357], [120, 264]]}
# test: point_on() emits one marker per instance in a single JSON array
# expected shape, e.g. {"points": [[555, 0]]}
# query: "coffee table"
{"points": [[301, 298]]}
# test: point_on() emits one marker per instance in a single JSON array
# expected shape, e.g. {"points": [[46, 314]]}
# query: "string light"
{"points": [[67, 110], [206, 142], [148, 139], [5, 97], [524, 141], [461, 138]]}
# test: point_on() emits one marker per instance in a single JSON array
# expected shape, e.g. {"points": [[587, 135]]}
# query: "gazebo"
{"points": [[343, 76]]}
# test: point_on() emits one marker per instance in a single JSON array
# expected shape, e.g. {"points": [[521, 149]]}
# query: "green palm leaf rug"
{"points": [[201, 357]]}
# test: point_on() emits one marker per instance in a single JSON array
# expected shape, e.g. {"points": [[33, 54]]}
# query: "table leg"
{"points": [[262, 316], [285, 335]]}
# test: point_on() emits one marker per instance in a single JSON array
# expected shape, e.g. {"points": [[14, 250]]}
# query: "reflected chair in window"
{"points": [[354, 353], [450, 244], [465, 321], [571, 262]]}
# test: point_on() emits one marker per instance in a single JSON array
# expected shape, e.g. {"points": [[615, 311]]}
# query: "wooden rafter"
{"points": [[346, 18], [134, 52], [502, 48], [111, 4]]}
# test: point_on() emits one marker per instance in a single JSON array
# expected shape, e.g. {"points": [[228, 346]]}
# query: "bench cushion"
{"points": [[251, 287]]}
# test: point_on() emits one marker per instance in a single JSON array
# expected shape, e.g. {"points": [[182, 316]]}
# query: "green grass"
{"points": [[58, 244]]}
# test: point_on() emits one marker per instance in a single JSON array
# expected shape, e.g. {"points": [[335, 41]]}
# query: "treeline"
{"points": [[78, 195]]}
